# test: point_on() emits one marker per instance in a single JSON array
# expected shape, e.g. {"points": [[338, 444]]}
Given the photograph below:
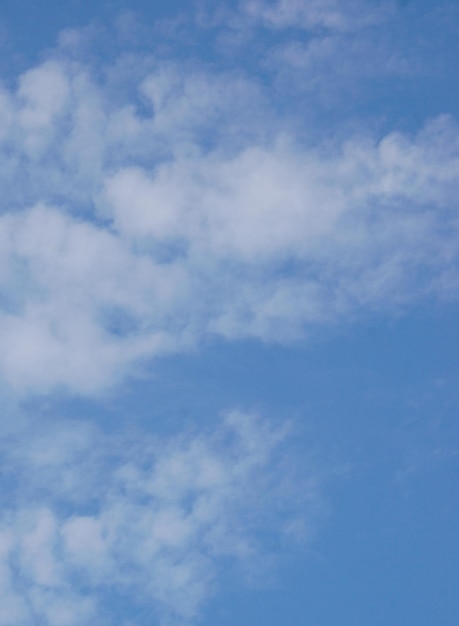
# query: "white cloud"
{"points": [[68, 287], [148, 519], [43, 94], [333, 15], [146, 207], [366, 62], [143, 221]]}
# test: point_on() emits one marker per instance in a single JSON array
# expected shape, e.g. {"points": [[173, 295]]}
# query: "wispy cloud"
{"points": [[332, 15], [149, 203], [127, 235], [86, 515]]}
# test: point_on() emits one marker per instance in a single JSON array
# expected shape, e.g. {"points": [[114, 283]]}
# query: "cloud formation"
{"points": [[152, 203], [331, 15], [149, 204], [87, 516]]}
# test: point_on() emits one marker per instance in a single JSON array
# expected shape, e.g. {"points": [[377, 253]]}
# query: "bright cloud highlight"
{"points": [[126, 236]]}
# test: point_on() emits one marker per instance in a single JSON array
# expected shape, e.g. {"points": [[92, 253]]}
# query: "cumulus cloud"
{"points": [[68, 287], [144, 211], [149, 205], [86, 515]]}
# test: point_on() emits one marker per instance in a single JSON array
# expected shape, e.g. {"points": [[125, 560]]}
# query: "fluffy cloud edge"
{"points": [[150, 210], [86, 515]]}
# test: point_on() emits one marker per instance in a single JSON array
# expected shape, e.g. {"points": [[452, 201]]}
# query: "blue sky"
{"points": [[229, 278]]}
